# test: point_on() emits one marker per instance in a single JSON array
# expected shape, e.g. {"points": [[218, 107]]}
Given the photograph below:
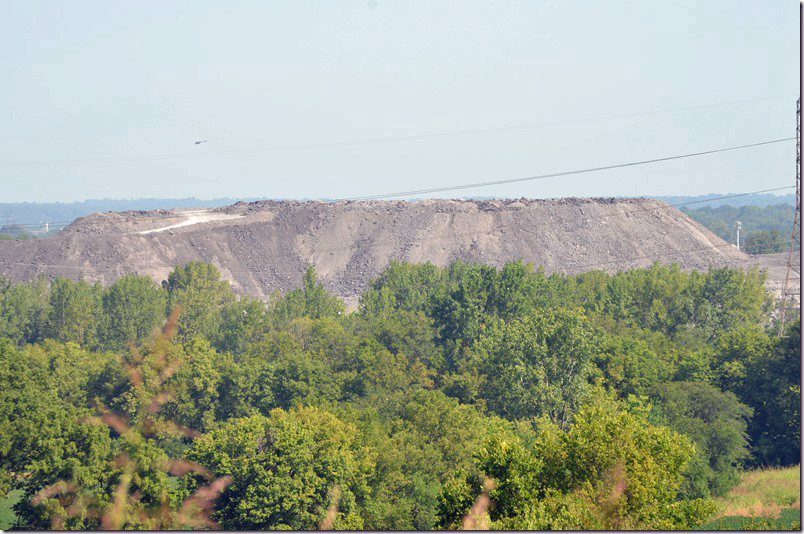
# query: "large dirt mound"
{"points": [[263, 246]]}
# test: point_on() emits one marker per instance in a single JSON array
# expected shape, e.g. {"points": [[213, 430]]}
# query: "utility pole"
{"points": [[788, 293], [738, 225]]}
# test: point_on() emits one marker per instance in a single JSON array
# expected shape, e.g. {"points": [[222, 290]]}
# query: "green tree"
{"points": [[735, 352], [318, 303], [243, 322], [245, 386], [89, 469], [24, 309], [195, 385], [516, 483], [70, 368], [716, 422], [610, 470], [311, 301], [42, 440], [629, 366], [590, 291], [372, 369], [403, 286], [58, 450], [405, 332], [765, 242], [199, 292], [773, 389], [461, 315], [536, 365], [283, 470], [74, 311], [659, 298], [516, 290], [418, 438], [729, 298], [304, 378], [133, 309]]}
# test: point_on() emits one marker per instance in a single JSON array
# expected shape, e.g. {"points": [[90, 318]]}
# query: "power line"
{"points": [[51, 224], [557, 174], [733, 196], [656, 208], [725, 197], [61, 224], [647, 209], [796, 220], [381, 140]]}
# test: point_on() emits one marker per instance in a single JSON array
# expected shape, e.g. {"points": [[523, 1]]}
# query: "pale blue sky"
{"points": [[321, 99]]}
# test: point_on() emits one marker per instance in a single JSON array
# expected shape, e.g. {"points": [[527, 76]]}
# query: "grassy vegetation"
{"points": [[7, 515], [765, 499]]}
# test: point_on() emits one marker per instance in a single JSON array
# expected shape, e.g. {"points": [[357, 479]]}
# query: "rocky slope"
{"points": [[263, 246]]}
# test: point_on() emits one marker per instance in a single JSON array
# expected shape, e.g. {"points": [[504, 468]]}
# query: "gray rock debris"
{"points": [[271, 242]]}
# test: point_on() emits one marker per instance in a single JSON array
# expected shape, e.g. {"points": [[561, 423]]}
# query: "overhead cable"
{"points": [[564, 173], [380, 140]]}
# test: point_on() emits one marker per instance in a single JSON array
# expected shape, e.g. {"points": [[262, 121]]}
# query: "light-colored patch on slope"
{"points": [[194, 217], [349, 243]]}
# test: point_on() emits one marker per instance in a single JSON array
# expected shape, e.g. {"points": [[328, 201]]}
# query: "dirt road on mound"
{"points": [[193, 217]]}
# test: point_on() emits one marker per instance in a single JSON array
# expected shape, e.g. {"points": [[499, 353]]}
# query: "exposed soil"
{"points": [[266, 245], [776, 267]]}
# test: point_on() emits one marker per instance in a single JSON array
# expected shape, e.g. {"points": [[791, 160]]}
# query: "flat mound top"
{"points": [[266, 245]]}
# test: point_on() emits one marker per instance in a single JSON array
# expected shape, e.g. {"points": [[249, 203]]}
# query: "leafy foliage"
{"points": [[773, 390], [283, 468], [198, 292], [462, 397], [74, 311], [766, 242], [311, 301], [537, 365], [133, 309], [610, 470], [716, 422]]}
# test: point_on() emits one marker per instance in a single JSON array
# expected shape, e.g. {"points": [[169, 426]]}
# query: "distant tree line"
{"points": [[591, 401], [765, 230], [716, 200]]}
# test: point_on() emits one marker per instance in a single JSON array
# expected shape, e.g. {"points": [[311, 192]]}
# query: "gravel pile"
{"points": [[270, 243]]}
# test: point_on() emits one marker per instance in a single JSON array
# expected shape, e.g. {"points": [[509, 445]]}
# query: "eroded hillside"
{"points": [[263, 246]]}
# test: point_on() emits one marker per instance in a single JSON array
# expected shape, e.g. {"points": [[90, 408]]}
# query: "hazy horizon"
{"points": [[35, 214], [332, 100]]}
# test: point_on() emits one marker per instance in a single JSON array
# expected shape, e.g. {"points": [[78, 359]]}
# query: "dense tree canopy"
{"points": [[133, 308], [716, 422], [284, 468], [611, 469], [589, 401]]}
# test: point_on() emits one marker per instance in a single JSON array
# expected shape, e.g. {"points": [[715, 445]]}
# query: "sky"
{"points": [[342, 99]]}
